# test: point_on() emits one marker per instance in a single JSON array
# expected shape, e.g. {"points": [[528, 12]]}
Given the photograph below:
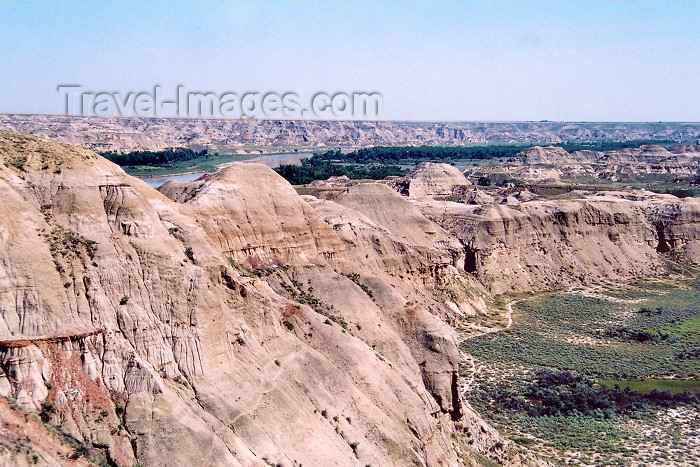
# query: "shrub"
{"points": [[189, 253], [16, 162], [47, 408]]}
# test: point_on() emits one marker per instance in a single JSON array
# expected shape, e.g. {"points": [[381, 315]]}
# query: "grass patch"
{"points": [[686, 330], [674, 386], [584, 334], [168, 162], [549, 381]]}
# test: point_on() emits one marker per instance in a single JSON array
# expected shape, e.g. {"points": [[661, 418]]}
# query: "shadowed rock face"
{"points": [[139, 324], [540, 245]]}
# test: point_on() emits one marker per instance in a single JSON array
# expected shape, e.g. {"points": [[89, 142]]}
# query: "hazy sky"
{"points": [[613, 60]]}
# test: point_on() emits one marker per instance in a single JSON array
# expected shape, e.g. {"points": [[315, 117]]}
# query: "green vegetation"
{"points": [[555, 393], [685, 330], [378, 162], [565, 411], [580, 372], [603, 338], [318, 168], [355, 277], [67, 245], [246, 270], [673, 386], [155, 158], [189, 253], [675, 184], [414, 154], [614, 145], [169, 161], [47, 409], [16, 162], [383, 161], [485, 461]]}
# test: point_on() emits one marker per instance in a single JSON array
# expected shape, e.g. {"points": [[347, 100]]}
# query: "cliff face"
{"points": [[127, 134], [430, 179], [229, 323], [541, 245], [542, 163]]}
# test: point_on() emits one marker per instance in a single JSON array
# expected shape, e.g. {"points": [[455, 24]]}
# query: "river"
{"points": [[272, 160]]}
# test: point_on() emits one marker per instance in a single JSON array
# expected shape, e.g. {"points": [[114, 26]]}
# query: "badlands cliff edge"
{"points": [[232, 321]]}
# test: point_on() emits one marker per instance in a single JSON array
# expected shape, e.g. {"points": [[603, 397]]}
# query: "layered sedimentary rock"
{"points": [[544, 244], [256, 135], [229, 323], [430, 179], [556, 164]]}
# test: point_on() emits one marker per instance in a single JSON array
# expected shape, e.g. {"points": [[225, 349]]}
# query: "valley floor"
{"points": [[641, 334]]}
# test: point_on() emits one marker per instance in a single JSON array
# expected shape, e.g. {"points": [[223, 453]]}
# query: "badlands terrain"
{"points": [[238, 320], [103, 134]]}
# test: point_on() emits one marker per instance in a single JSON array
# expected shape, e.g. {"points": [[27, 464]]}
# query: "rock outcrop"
{"points": [[554, 164], [231, 322], [431, 179], [255, 135], [545, 244]]}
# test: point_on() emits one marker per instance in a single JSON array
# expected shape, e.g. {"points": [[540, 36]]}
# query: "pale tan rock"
{"points": [[255, 135], [552, 244], [430, 179], [128, 306]]}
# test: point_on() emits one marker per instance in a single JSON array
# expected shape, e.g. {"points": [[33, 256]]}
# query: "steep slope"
{"points": [[431, 179], [545, 244], [232, 326]]}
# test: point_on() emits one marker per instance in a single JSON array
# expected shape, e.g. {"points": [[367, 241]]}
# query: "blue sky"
{"points": [[612, 60]]}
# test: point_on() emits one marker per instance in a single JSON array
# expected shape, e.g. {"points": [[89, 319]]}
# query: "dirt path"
{"points": [[509, 313], [467, 382]]}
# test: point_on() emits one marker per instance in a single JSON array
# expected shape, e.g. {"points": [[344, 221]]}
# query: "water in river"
{"points": [[272, 160]]}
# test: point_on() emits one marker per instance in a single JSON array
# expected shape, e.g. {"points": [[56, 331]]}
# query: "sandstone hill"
{"points": [[232, 321], [430, 179], [554, 163], [226, 321]]}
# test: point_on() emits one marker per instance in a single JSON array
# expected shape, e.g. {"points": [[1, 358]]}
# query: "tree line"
{"points": [[156, 158]]}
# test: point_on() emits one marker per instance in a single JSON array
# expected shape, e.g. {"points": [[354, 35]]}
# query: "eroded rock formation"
{"points": [[257, 135], [231, 322]]}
